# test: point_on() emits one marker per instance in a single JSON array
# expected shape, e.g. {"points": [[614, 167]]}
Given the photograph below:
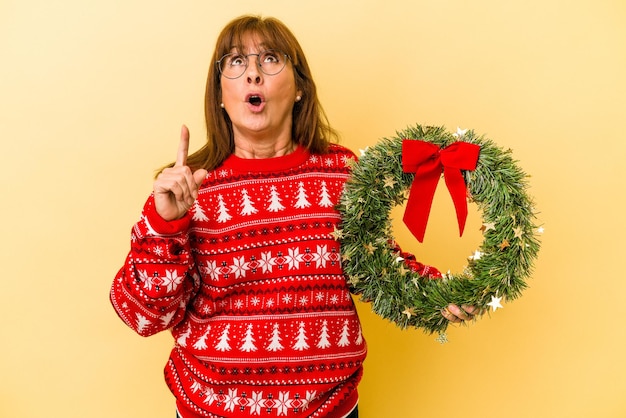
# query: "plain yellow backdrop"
{"points": [[92, 96]]}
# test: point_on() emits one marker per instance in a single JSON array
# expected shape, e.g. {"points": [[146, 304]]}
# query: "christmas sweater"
{"points": [[251, 286]]}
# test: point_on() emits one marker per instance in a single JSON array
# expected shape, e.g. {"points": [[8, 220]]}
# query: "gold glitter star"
{"points": [[389, 181], [408, 312], [518, 232], [354, 280], [403, 271], [337, 234], [487, 226], [504, 244], [370, 248]]}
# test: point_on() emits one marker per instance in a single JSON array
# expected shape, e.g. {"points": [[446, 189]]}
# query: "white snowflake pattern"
{"points": [[334, 299], [293, 258], [211, 269], [256, 402], [223, 173], [255, 301], [319, 296], [266, 262], [143, 276], [158, 251], [269, 303], [345, 159], [172, 280], [287, 298], [238, 304], [210, 396], [239, 267], [304, 300], [282, 403], [329, 162], [322, 256], [231, 400]]}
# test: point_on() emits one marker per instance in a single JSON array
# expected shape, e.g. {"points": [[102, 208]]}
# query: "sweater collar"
{"points": [[250, 165]]}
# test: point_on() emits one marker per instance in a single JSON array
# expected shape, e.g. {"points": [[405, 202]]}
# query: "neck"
{"points": [[270, 149]]}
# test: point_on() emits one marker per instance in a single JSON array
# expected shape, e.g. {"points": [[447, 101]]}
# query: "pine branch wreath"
{"points": [[378, 271]]}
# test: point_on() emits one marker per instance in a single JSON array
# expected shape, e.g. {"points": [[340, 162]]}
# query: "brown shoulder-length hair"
{"points": [[310, 127]]}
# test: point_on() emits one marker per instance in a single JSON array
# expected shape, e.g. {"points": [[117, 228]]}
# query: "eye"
{"points": [[236, 60], [270, 57]]}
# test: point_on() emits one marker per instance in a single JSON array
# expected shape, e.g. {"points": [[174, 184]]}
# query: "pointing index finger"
{"points": [[183, 147]]}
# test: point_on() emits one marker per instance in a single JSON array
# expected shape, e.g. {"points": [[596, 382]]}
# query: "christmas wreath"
{"points": [[476, 170]]}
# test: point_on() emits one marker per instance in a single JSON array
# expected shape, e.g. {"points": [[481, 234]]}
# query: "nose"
{"points": [[253, 72]]}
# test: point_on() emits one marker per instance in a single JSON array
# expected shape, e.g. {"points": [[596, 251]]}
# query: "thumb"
{"points": [[199, 176]]}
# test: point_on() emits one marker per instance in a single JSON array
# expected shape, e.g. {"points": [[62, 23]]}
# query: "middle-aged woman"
{"points": [[235, 251]]}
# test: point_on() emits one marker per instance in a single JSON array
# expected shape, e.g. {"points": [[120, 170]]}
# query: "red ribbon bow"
{"points": [[427, 161]]}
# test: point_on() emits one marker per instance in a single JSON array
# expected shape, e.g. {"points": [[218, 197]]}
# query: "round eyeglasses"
{"points": [[270, 62]]}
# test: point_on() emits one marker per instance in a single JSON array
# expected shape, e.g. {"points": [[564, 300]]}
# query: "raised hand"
{"points": [[176, 188]]}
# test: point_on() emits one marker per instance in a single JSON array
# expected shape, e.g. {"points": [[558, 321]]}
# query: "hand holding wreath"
{"points": [[378, 270]]}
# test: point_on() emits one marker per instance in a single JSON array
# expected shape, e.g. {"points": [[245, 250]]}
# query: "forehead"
{"points": [[251, 42]]}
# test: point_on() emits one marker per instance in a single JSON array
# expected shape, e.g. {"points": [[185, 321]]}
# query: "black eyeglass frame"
{"points": [[218, 63]]}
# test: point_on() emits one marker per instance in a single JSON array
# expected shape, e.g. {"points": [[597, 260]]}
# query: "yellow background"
{"points": [[92, 96]]}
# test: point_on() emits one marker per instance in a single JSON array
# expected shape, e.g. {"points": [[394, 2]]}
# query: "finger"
{"points": [[198, 177], [177, 186], [458, 312], [471, 310], [449, 315], [183, 147], [179, 182]]}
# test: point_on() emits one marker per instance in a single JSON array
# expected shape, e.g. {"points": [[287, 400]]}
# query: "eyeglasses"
{"points": [[270, 62]]}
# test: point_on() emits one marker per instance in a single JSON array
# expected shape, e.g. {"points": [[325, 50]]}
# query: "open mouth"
{"points": [[255, 100]]}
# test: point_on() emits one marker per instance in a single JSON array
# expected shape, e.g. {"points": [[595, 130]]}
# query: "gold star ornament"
{"points": [[487, 226]]}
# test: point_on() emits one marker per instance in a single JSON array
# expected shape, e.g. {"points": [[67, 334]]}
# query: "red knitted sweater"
{"points": [[251, 285]]}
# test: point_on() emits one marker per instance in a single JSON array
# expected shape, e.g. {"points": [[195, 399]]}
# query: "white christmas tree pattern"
{"points": [[275, 344], [247, 207], [201, 343], [224, 216], [274, 201], [345, 333], [302, 197], [323, 341], [325, 201], [359, 338], [301, 343], [142, 322], [248, 341], [167, 318], [198, 213], [182, 340], [223, 345]]}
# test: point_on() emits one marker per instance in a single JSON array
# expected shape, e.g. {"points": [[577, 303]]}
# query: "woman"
{"points": [[235, 251]]}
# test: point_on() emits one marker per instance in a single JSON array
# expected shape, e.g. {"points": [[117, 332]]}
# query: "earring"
{"points": [[298, 98], [222, 105]]}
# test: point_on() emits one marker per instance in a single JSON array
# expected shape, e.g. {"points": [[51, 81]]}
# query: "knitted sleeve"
{"points": [[151, 291]]}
